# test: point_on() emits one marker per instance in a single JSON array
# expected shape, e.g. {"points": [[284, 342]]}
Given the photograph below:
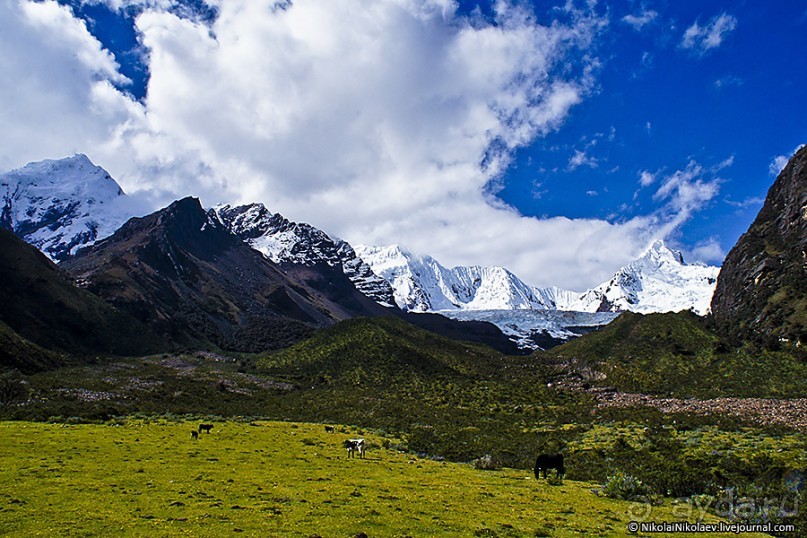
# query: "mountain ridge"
{"points": [[284, 241], [651, 283], [181, 270], [389, 276]]}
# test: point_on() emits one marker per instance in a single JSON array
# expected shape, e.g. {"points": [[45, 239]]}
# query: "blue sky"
{"points": [[557, 139], [659, 105]]}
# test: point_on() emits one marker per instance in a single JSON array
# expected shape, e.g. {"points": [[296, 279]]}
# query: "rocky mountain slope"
{"points": [[61, 205], [183, 272], [287, 242], [41, 307], [761, 292]]}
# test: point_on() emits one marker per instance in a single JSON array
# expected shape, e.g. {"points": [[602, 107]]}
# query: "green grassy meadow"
{"points": [[149, 478]]}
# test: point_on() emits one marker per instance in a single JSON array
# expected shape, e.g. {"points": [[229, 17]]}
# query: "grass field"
{"points": [[149, 478]]}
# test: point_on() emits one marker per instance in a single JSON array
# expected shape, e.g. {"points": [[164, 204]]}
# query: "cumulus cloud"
{"points": [[383, 122], [59, 91], [708, 251], [701, 39]]}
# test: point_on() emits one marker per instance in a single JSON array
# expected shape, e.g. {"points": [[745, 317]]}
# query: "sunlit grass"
{"points": [[149, 478]]}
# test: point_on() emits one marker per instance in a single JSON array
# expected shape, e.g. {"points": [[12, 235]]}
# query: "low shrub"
{"points": [[624, 486], [487, 463]]}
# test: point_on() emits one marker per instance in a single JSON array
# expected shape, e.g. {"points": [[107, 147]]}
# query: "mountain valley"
{"points": [[237, 313]]}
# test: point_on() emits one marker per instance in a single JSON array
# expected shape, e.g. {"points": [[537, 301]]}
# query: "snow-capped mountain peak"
{"points": [[659, 252], [658, 281], [422, 284], [61, 205], [284, 241]]}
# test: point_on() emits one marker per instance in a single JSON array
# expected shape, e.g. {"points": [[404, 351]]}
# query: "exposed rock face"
{"points": [[286, 242], [183, 272], [761, 291]]}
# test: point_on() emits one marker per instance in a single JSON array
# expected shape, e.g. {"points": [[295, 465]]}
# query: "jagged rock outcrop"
{"points": [[284, 242], [761, 291]]}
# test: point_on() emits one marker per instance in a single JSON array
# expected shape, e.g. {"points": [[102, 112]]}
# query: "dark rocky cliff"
{"points": [[183, 273], [761, 291]]}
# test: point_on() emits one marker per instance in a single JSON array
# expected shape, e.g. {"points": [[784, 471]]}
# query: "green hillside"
{"points": [[378, 351], [676, 354], [20, 354], [455, 398]]}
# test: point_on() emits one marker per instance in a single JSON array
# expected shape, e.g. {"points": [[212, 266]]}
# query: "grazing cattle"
{"points": [[194, 434], [549, 461], [329, 429], [353, 446], [205, 428]]}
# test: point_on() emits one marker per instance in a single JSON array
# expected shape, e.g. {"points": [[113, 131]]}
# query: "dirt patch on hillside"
{"points": [[791, 413]]}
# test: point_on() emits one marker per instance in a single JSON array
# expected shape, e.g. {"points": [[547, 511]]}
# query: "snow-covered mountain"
{"points": [[659, 281], [61, 205], [284, 241], [422, 284]]}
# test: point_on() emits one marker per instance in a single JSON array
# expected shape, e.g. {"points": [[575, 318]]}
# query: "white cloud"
{"points": [[687, 191], [580, 158], [642, 19], [646, 178], [382, 122], [780, 161], [748, 202], [708, 251], [58, 90], [725, 163], [778, 164], [703, 38]]}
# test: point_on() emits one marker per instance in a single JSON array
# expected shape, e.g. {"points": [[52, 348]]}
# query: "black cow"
{"points": [[205, 428], [549, 461]]}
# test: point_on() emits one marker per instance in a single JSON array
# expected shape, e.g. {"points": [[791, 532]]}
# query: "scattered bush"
{"points": [[624, 486], [487, 463]]}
